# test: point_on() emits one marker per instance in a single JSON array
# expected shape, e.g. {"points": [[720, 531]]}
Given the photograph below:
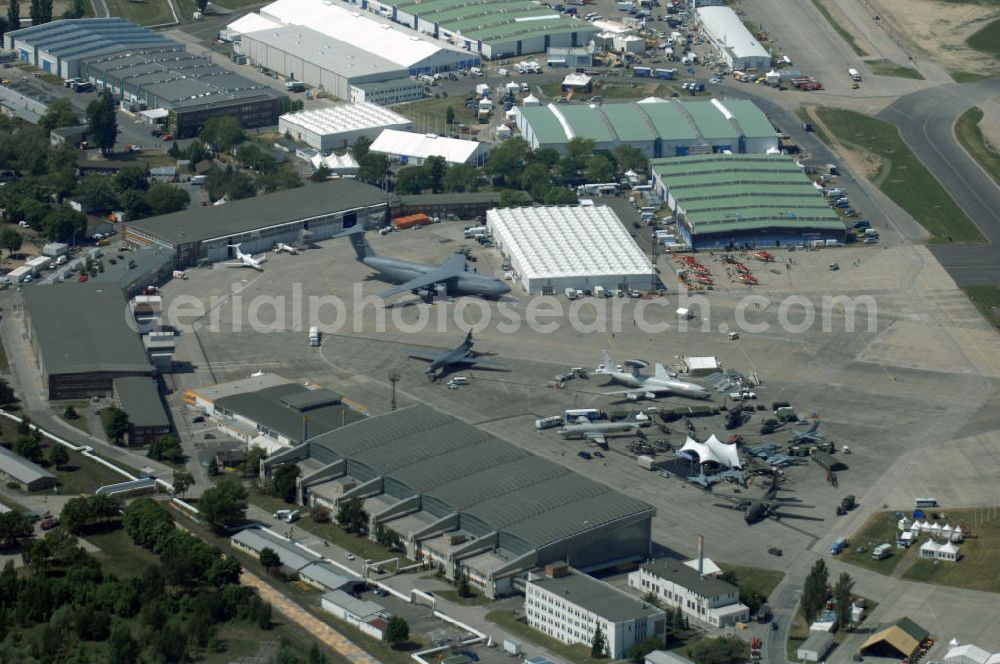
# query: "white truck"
{"points": [[854, 74], [512, 647], [646, 462], [882, 551], [571, 294], [314, 336], [548, 422]]}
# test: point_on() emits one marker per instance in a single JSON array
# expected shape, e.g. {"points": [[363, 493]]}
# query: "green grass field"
{"points": [[755, 579], [881, 528], [430, 115], [986, 39], [82, 475], [971, 137], [844, 34], [508, 620], [980, 554], [81, 422], [901, 176], [962, 76], [147, 12], [119, 555], [987, 300], [804, 116], [887, 68]]}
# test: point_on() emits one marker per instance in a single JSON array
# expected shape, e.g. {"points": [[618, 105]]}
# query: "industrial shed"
{"points": [[744, 201], [82, 359], [658, 127], [555, 248], [475, 504], [139, 398], [29, 476], [202, 235], [492, 28], [410, 147], [816, 647], [339, 126], [736, 46], [899, 639], [344, 44]]}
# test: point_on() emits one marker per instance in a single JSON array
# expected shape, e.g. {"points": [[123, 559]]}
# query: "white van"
{"points": [[61, 260], [459, 380]]}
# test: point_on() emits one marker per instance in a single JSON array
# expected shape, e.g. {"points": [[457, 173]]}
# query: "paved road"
{"points": [[926, 121], [100, 8]]}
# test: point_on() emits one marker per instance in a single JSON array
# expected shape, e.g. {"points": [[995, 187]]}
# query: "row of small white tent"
{"points": [[946, 551], [954, 534]]}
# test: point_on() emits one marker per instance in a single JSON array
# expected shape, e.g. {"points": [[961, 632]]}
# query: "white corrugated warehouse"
{"points": [[731, 38], [414, 148], [555, 248], [339, 126]]}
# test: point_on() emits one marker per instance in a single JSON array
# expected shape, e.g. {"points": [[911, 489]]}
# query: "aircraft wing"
{"points": [[450, 269], [235, 264], [596, 438], [483, 363], [430, 357], [640, 390]]}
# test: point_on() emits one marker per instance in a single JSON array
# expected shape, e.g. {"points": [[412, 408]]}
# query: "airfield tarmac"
{"points": [[923, 374]]}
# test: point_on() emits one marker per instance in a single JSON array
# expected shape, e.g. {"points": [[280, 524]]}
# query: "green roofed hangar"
{"points": [[492, 28], [744, 201], [476, 505], [658, 127]]}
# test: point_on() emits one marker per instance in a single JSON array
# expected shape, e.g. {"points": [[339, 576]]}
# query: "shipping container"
{"points": [[642, 72], [410, 221]]}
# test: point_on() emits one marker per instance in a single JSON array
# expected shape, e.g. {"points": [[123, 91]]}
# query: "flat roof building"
{"points": [[704, 598], [658, 127], [29, 476], [736, 46], [139, 397], [413, 148], [569, 606], [744, 201], [82, 359], [493, 28], [313, 212], [347, 48], [474, 504], [559, 247], [340, 126], [145, 68]]}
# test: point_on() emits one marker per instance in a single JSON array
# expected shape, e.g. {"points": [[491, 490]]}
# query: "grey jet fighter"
{"points": [[422, 279], [462, 357]]}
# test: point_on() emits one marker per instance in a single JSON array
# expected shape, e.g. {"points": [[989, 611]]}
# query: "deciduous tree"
{"points": [[397, 632], [102, 123], [225, 504]]}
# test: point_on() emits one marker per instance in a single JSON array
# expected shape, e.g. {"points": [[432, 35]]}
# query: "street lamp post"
{"points": [[394, 378]]}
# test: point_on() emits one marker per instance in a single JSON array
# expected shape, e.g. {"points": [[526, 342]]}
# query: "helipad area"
{"points": [[555, 248]]}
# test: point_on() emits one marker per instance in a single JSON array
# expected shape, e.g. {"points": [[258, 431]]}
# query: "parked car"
{"points": [[774, 551], [585, 455]]}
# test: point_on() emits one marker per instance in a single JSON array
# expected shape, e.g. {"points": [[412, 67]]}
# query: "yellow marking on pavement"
{"points": [[328, 635]]}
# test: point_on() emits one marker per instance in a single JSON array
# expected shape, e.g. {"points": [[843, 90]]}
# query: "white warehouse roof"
{"points": [[725, 26], [421, 146], [345, 118], [567, 241], [251, 23], [357, 28]]}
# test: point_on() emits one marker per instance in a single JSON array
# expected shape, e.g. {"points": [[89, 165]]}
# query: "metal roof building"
{"points": [[339, 126], [59, 47], [737, 47], [139, 397], [744, 200], [658, 127], [204, 234], [413, 148], [555, 248], [458, 496], [30, 476], [337, 43], [493, 28], [82, 359]]}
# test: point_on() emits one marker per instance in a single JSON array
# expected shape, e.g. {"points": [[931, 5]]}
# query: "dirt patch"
{"points": [[990, 124], [857, 160], [943, 38]]}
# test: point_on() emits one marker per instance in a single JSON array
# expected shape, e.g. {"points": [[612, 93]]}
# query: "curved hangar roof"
{"points": [[420, 451]]}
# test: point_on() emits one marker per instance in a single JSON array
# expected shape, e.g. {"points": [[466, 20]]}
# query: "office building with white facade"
{"points": [[701, 597]]}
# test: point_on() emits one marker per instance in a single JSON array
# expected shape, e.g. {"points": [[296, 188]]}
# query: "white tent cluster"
{"points": [[932, 550], [969, 654], [935, 529], [713, 450], [343, 164]]}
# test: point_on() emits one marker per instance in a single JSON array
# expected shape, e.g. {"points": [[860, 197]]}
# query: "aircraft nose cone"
{"points": [[500, 288]]}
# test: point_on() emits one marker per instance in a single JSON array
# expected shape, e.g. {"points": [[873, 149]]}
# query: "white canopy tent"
{"points": [[713, 450]]}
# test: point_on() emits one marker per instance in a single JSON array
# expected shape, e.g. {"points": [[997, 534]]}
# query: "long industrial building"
{"points": [[146, 70], [580, 247], [492, 28], [310, 213], [737, 47], [339, 126], [658, 127], [744, 201], [82, 359], [345, 52], [474, 504]]}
